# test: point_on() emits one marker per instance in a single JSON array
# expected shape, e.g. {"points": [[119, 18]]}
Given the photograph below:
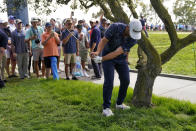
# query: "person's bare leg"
{"points": [[83, 64], [67, 70], [72, 67], [43, 69], [47, 73], [8, 67], [58, 62], [36, 68], [13, 63]]}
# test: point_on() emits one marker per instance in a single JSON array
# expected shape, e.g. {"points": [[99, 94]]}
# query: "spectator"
{"points": [[83, 48], [11, 23], [50, 41], [71, 48], [102, 26], [58, 31], [34, 35], [95, 37], [3, 44], [3, 27], [20, 49], [143, 22]]}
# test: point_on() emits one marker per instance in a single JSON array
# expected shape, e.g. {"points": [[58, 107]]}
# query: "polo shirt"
{"points": [[95, 37], [18, 40], [51, 48], [29, 33], [3, 39], [70, 46], [116, 39]]}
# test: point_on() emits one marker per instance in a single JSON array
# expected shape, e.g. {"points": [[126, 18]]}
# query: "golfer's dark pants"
{"points": [[123, 72], [96, 68]]}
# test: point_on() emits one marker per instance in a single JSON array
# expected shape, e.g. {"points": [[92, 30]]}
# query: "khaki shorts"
{"points": [[70, 58], [84, 55], [37, 53]]}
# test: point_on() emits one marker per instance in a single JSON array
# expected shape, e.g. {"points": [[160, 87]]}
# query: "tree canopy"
{"points": [[185, 11]]}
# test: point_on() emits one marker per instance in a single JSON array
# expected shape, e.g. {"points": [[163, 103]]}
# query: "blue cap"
{"points": [[11, 17], [48, 24]]}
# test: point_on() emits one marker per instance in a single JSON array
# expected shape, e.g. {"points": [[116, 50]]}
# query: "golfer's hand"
{"points": [[97, 59]]}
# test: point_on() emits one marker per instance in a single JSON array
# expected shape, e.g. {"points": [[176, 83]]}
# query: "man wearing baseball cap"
{"points": [[11, 23], [50, 41], [116, 43], [20, 49], [34, 35]]}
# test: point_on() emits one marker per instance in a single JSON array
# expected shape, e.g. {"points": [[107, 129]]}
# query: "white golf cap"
{"points": [[135, 28], [34, 19], [3, 21], [92, 20]]}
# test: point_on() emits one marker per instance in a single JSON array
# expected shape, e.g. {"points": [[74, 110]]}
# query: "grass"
{"points": [[182, 63], [76, 106]]}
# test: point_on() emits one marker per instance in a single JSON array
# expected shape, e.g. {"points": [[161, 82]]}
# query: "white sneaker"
{"points": [[85, 74], [107, 112], [122, 106]]}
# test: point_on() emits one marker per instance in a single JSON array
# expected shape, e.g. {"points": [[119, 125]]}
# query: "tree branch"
{"points": [[107, 13], [170, 52], [166, 19], [86, 5], [63, 1], [117, 11], [132, 8], [187, 40]]}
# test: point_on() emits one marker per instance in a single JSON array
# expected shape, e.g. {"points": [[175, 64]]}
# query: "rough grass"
{"points": [[76, 106], [183, 63]]}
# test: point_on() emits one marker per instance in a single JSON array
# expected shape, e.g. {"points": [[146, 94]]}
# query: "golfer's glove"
{"points": [[97, 59]]}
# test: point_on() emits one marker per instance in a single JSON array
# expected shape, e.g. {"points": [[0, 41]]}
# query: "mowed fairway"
{"points": [[183, 63]]}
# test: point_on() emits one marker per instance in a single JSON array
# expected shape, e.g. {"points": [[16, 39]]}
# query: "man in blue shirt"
{"points": [[20, 49], [95, 37], [143, 22], [71, 47], [102, 27], [116, 43], [3, 44]]}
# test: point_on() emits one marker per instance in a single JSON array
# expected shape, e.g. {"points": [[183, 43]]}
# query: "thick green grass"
{"points": [[76, 106], [183, 63]]}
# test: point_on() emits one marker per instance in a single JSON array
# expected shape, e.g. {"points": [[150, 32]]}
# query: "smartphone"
{"points": [[72, 13]]}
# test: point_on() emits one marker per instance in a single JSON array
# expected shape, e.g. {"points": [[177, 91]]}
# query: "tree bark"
{"points": [[143, 88], [147, 73]]}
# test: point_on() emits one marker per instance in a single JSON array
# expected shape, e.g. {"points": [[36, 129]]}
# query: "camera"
{"points": [[37, 41]]}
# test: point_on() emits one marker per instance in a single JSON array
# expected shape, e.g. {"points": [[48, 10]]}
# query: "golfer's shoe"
{"points": [[107, 112], [122, 106]]}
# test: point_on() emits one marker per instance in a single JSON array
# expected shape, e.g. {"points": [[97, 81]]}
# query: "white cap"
{"points": [[135, 28], [34, 19], [3, 21], [93, 20]]}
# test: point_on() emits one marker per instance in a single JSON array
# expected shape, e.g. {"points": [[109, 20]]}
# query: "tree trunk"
{"points": [[143, 88]]}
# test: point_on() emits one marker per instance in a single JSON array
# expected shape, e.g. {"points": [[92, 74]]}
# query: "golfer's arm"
{"points": [[101, 45], [113, 54]]}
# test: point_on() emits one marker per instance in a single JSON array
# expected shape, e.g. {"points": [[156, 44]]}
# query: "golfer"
{"points": [[116, 43]]}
